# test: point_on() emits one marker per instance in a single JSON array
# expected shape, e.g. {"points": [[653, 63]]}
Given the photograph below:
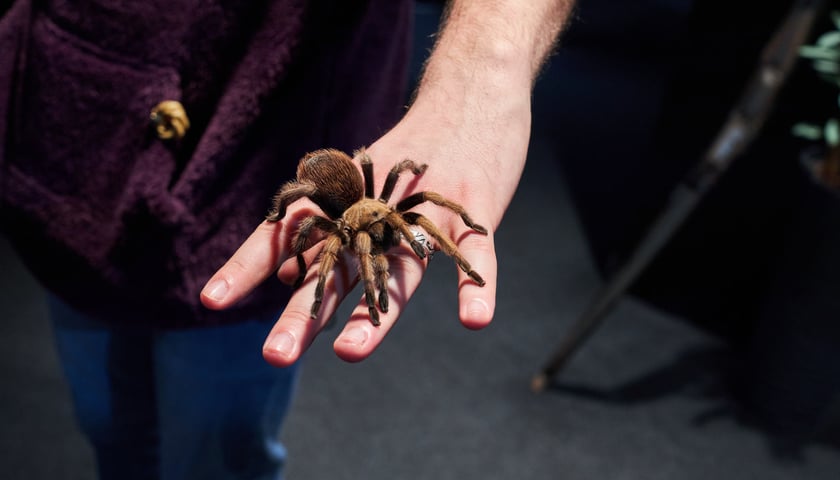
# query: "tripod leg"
{"points": [[684, 199], [580, 331]]}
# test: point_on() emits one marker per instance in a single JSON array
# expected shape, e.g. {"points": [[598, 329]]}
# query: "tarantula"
{"points": [[366, 225]]}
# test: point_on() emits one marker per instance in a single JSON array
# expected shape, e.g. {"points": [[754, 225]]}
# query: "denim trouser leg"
{"points": [[187, 404], [220, 404]]}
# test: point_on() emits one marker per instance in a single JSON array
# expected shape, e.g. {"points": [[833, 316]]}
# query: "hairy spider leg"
{"points": [[362, 247], [367, 171], [413, 200], [380, 268], [301, 240], [329, 257], [383, 235], [287, 194], [394, 175], [396, 221], [445, 244]]}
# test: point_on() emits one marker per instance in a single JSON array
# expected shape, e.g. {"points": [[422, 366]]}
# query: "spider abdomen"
{"points": [[338, 182]]}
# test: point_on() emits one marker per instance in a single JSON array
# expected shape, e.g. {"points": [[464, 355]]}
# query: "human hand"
{"points": [[475, 159]]}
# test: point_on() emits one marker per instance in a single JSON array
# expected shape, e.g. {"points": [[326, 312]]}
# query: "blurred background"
{"points": [[722, 361]]}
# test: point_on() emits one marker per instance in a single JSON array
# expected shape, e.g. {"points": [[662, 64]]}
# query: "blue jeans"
{"points": [[184, 404]]}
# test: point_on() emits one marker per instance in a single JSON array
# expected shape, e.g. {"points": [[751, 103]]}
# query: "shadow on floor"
{"points": [[717, 376]]}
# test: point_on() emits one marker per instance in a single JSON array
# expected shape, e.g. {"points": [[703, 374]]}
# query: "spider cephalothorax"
{"points": [[366, 225]]}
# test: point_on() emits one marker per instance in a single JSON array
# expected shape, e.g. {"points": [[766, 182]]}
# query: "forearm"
{"points": [[494, 43], [474, 98]]}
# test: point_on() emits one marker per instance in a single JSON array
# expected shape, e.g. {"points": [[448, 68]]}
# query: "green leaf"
{"points": [[829, 40], [807, 131], [814, 52], [824, 66], [832, 132]]}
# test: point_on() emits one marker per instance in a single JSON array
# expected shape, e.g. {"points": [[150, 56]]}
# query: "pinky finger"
{"points": [[477, 304]]}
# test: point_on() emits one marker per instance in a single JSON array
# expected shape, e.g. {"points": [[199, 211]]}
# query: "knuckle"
{"points": [[404, 260], [296, 316], [474, 242], [239, 265]]}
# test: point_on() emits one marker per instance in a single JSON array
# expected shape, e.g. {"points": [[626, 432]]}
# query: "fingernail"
{"points": [[216, 290], [355, 336], [477, 308], [282, 343]]}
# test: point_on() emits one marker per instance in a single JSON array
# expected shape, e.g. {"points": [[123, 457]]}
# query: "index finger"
{"points": [[255, 260]]}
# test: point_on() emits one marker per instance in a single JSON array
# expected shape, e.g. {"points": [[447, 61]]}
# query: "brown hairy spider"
{"points": [[357, 220]]}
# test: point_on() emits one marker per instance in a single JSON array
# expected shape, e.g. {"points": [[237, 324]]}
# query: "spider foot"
{"points": [[374, 316], [468, 221], [478, 228], [383, 301], [313, 312], [476, 278], [419, 169], [273, 216]]}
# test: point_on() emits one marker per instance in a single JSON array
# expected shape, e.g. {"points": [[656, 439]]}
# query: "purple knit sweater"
{"points": [[122, 224]]}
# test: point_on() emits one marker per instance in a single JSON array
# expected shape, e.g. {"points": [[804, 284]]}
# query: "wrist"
{"points": [[493, 63], [491, 87]]}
